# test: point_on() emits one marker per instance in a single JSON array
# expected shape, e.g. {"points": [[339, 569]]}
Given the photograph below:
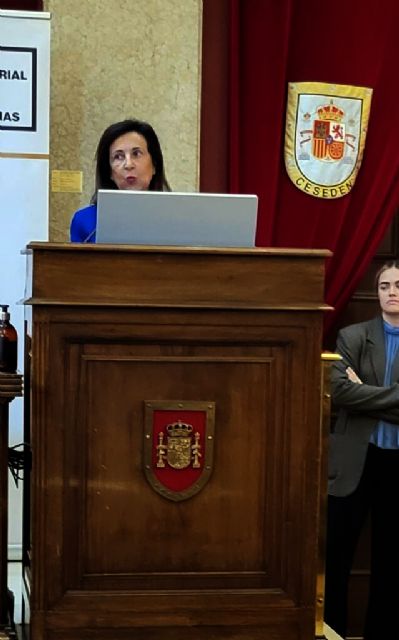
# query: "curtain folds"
{"points": [[271, 44]]}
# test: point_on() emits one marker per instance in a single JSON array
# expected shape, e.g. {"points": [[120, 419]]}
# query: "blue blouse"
{"points": [[83, 224]]}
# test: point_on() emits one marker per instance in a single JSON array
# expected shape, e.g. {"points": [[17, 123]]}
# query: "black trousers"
{"points": [[377, 493]]}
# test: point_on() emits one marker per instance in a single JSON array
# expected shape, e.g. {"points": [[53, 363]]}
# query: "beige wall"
{"points": [[112, 59]]}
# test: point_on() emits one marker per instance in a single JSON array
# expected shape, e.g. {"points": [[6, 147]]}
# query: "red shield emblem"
{"points": [[178, 446]]}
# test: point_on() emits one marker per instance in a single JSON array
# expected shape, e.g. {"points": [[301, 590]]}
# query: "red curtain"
{"points": [[22, 5], [272, 43]]}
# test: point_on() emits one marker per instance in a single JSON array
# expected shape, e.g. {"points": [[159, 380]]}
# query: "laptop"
{"points": [[176, 218]]}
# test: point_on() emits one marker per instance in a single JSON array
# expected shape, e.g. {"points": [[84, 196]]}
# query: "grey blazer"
{"points": [[361, 406]]}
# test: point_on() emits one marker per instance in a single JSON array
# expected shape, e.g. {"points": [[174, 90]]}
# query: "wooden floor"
{"points": [[9, 635], [23, 633]]}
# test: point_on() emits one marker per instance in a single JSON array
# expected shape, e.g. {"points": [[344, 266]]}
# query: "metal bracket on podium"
{"points": [[323, 631]]}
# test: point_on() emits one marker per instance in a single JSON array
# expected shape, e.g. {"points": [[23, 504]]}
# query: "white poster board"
{"points": [[24, 180]]}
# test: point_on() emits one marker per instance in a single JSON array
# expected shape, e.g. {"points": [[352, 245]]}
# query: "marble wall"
{"points": [[113, 59]]}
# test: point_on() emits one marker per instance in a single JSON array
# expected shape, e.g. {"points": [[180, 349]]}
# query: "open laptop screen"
{"points": [[176, 218]]}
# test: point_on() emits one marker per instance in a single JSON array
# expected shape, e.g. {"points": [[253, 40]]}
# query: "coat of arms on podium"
{"points": [[178, 446]]}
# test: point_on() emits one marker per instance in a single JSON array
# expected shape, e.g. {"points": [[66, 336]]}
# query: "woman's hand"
{"points": [[352, 376]]}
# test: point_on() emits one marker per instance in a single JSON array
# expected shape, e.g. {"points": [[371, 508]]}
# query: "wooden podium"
{"points": [[120, 337]]}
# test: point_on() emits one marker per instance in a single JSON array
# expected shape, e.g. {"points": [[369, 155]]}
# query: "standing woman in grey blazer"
{"points": [[364, 464]]}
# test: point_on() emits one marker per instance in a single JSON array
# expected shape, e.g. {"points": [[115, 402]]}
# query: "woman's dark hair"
{"points": [[103, 170], [391, 264]]}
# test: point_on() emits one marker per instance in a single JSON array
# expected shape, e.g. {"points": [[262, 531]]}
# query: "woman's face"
{"points": [[388, 293], [131, 163]]}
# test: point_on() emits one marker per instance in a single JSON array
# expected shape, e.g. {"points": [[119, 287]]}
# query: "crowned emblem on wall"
{"points": [[326, 127], [178, 446]]}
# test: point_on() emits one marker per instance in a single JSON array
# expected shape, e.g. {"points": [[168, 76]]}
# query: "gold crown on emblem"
{"points": [[330, 112], [179, 429]]}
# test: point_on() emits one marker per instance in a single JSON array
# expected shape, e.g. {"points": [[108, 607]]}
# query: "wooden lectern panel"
{"points": [[112, 558]]}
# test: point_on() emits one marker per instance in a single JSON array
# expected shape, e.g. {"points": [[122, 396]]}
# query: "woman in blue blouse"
{"points": [[129, 156]]}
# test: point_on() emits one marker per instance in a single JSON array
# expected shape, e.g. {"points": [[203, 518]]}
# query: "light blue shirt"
{"points": [[386, 435]]}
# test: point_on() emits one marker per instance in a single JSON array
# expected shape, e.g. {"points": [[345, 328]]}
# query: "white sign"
{"points": [[18, 88], [24, 82]]}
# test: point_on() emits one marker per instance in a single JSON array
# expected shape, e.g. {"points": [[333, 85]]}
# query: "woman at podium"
{"points": [[129, 156]]}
